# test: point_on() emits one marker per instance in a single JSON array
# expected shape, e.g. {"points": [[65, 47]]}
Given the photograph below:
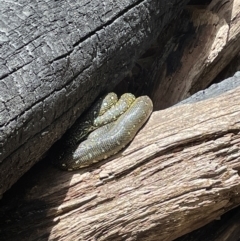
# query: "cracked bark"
{"points": [[56, 57], [180, 172]]}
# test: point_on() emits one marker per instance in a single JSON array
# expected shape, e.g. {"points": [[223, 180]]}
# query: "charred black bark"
{"points": [[56, 57]]}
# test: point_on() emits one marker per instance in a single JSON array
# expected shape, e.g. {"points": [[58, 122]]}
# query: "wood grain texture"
{"points": [[196, 51], [225, 228], [180, 172]]}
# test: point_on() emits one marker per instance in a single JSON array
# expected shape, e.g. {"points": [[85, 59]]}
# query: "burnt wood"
{"points": [[56, 57]]}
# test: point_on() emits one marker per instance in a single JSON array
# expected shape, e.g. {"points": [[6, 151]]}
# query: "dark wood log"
{"points": [[180, 172], [56, 57]]}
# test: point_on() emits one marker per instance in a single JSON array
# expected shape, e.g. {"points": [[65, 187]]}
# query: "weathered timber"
{"points": [[56, 57], [179, 173], [193, 52], [225, 228]]}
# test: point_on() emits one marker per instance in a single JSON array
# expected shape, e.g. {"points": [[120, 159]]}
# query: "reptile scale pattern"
{"points": [[108, 139]]}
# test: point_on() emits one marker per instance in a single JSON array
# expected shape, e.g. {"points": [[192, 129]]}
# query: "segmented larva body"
{"points": [[117, 135]]}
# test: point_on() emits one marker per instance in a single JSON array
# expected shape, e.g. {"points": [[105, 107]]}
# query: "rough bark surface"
{"points": [[179, 173], [56, 57]]}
